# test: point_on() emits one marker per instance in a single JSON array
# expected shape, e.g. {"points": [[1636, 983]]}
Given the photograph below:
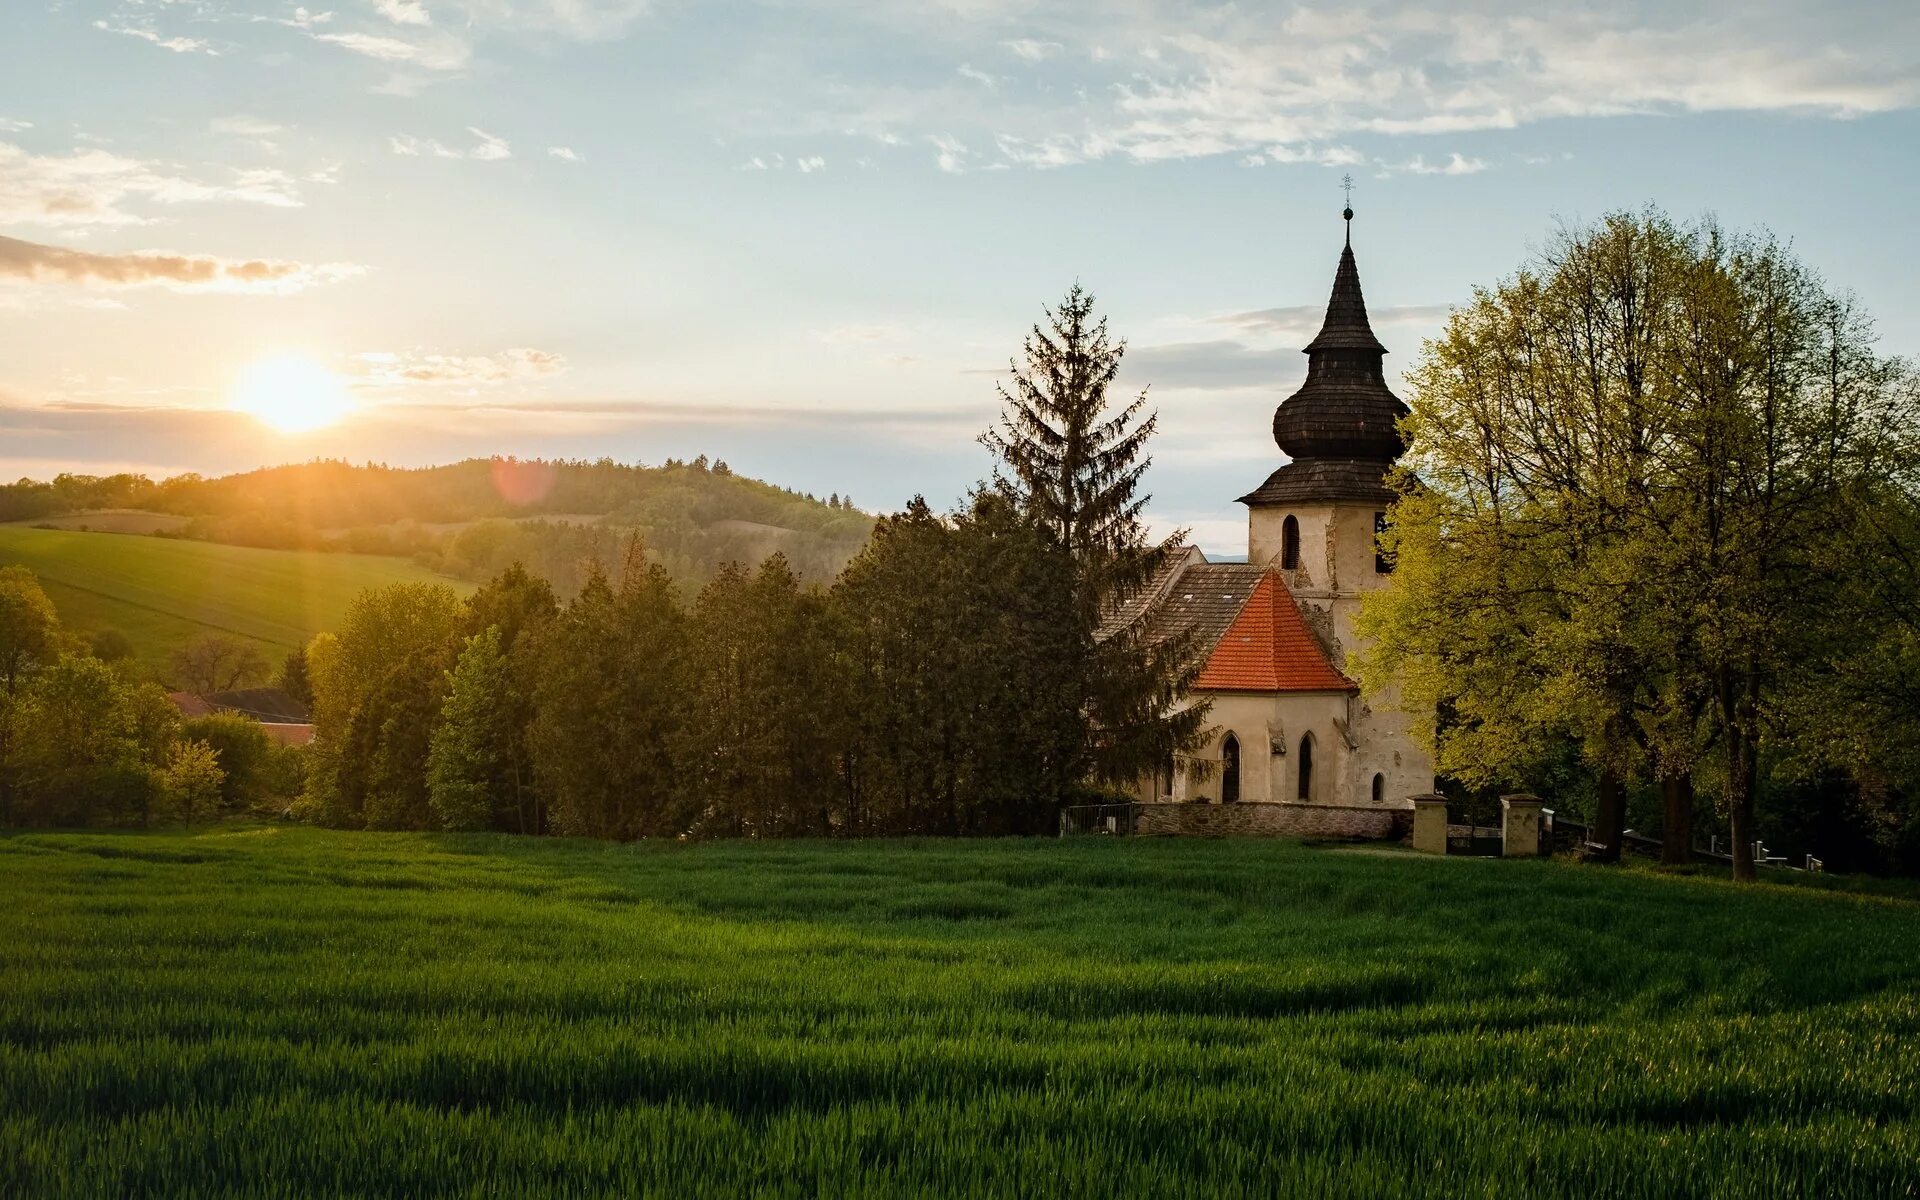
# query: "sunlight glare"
{"points": [[291, 394]]}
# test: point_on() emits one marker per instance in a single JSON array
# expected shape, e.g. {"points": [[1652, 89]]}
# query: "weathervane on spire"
{"points": [[1346, 185]]}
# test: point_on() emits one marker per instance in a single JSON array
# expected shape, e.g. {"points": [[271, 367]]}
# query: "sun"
{"points": [[292, 394]]}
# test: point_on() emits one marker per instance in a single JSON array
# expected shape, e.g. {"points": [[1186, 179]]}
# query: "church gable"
{"points": [[1268, 648]]}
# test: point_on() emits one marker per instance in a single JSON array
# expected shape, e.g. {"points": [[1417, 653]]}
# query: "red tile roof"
{"points": [[1268, 648]]}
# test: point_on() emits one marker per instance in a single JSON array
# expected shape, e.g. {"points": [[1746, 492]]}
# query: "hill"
{"points": [[164, 592], [471, 518], [277, 1011]]}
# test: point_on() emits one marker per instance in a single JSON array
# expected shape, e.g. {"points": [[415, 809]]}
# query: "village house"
{"points": [[1288, 723]]}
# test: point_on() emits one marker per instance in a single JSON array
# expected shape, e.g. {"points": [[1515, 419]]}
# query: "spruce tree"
{"points": [[1073, 458]]}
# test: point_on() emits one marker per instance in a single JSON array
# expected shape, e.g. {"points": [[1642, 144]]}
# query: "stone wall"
{"points": [[1253, 819]]}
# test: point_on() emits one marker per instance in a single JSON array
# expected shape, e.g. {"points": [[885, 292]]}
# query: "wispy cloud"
{"points": [[487, 149], [404, 12], [179, 45], [564, 153], [95, 187], [9, 125], [1032, 50], [1300, 322], [1456, 164], [37, 263], [438, 54], [1271, 84], [413, 367], [970, 72]]}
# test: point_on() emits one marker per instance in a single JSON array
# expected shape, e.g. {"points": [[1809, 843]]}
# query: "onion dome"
{"points": [[1340, 428]]}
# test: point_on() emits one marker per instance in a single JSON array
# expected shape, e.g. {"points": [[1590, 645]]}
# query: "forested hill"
{"points": [[471, 518]]}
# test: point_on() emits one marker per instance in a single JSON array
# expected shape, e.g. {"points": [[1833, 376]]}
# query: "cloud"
{"points": [[493, 149], [179, 45], [1031, 49], [581, 20], [951, 153], [809, 165], [1300, 322], [488, 149], [93, 187], [36, 263], [387, 369], [404, 12], [8, 125], [1211, 365], [303, 19], [244, 126], [971, 72], [564, 153], [1455, 165], [439, 54], [1277, 84]]}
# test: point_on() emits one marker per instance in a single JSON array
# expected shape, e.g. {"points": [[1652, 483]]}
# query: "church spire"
{"points": [[1341, 428]]}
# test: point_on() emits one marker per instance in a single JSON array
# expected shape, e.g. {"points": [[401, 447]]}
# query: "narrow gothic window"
{"points": [[1379, 788], [1382, 561], [1290, 544], [1230, 770], [1166, 777], [1305, 790]]}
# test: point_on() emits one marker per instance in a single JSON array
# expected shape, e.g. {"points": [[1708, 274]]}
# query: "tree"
{"points": [[218, 662], [29, 639], [469, 784], [377, 684], [192, 780], [609, 705], [1074, 464], [294, 678], [110, 645], [1634, 456], [242, 749]]}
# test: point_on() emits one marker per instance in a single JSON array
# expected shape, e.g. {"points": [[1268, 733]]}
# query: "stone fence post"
{"points": [[1520, 826], [1430, 824]]}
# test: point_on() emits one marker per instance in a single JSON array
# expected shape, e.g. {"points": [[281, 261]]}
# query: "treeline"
{"points": [[949, 682], [1665, 537], [84, 740]]}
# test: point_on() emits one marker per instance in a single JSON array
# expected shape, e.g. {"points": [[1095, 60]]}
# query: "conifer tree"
{"points": [[1074, 460], [467, 771]]}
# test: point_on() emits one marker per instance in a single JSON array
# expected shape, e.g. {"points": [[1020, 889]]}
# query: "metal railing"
{"points": [[1112, 820]]}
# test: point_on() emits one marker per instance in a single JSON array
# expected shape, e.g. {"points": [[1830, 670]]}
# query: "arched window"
{"points": [[1290, 543], [1379, 788], [1305, 790], [1230, 770], [1166, 777], [1382, 561]]}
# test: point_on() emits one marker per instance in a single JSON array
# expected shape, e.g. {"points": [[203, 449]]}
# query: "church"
{"points": [[1288, 724]]}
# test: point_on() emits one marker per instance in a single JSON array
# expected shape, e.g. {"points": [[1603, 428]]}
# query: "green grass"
{"points": [[164, 592], [282, 1011]]}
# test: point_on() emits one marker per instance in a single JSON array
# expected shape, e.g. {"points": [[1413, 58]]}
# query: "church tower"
{"points": [[1317, 516]]}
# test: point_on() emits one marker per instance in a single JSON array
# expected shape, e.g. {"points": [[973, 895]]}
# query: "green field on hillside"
{"points": [[279, 1011], [164, 592]]}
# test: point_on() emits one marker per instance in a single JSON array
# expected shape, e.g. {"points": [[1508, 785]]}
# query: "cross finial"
{"points": [[1346, 185]]}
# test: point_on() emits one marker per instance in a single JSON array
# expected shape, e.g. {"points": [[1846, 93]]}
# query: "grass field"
{"points": [[164, 592], [282, 1011]]}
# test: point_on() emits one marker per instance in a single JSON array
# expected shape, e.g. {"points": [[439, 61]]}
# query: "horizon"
{"points": [[807, 240]]}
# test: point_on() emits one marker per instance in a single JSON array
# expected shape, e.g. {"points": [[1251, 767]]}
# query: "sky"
{"points": [[807, 237]]}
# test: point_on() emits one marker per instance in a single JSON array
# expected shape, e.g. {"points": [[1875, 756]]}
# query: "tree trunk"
{"points": [[1676, 838], [1610, 816]]}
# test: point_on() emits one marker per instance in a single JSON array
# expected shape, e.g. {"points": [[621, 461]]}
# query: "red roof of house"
{"points": [[1268, 648]]}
